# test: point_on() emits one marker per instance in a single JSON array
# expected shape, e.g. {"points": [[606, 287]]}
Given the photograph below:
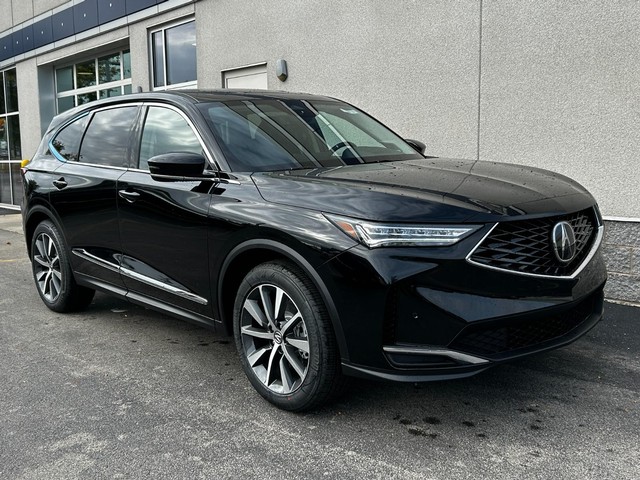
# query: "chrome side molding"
{"points": [[82, 253]]}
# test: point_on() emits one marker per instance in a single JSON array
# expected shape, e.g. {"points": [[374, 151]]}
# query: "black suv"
{"points": [[323, 241]]}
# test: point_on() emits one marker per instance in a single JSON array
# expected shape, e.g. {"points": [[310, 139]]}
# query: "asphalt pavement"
{"points": [[119, 391]]}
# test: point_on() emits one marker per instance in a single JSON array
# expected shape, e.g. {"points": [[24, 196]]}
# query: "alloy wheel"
{"points": [[274, 339], [47, 267]]}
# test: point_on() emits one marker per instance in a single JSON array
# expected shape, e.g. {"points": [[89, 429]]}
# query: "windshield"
{"points": [[268, 134]]}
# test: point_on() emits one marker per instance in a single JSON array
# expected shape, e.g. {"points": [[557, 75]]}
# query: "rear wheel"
{"points": [[284, 338], [52, 271]]}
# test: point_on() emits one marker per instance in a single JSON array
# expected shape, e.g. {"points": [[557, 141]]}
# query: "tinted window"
{"points": [[246, 143], [269, 134], [67, 141], [165, 131], [108, 137]]}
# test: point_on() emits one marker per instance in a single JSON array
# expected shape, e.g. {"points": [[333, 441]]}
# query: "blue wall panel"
{"points": [[62, 24], [109, 10], [42, 33], [16, 39], [6, 47], [27, 38], [137, 5], [85, 15]]}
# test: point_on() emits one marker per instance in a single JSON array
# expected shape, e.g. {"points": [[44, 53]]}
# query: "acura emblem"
{"points": [[563, 240]]}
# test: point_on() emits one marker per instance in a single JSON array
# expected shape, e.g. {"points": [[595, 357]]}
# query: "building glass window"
{"points": [[173, 56], [10, 147], [101, 77]]}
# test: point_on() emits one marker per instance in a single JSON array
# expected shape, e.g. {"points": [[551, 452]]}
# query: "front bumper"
{"points": [[428, 314]]}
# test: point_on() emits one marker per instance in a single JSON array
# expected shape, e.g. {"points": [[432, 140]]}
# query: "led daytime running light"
{"points": [[389, 235]]}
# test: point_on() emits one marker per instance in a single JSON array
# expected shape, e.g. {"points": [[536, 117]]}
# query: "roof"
{"points": [[239, 94], [189, 96]]}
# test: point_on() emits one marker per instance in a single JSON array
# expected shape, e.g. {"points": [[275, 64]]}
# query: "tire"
{"points": [[52, 271], [284, 338]]}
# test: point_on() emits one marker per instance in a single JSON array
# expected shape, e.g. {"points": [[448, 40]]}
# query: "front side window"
{"points": [[174, 56], [166, 131], [268, 135], [93, 79], [107, 140]]}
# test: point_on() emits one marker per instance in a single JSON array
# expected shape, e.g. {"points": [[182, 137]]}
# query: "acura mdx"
{"points": [[325, 243]]}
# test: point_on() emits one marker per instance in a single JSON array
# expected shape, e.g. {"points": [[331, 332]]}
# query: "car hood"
{"points": [[429, 190]]}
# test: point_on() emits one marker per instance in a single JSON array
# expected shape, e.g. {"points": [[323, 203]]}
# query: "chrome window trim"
{"points": [[444, 352], [205, 149], [208, 155], [594, 249], [89, 111], [82, 253]]}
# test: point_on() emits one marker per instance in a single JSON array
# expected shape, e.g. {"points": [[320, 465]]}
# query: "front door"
{"points": [[163, 225]]}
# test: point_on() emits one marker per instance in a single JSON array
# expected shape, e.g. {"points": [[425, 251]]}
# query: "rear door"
{"points": [[95, 151], [163, 225]]}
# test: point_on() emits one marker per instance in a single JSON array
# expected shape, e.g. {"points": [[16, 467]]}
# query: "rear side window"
{"points": [[108, 137], [165, 131], [67, 142]]}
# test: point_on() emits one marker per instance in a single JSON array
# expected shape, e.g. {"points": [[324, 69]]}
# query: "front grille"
{"points": [[525, 245], [508, 335]]}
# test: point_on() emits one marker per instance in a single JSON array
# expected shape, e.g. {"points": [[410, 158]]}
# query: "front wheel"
{"points": [[52, 272], [284, 338]]}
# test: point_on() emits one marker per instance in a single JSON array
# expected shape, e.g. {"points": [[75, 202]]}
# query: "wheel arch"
{"points": [[36, 215], [251, 253]]}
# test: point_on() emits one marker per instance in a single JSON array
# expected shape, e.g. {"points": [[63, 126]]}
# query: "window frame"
{"points": [[163, 28], [212, 163], [75, 92], [132, 138], [138, 127], [6, 115], [90, 113]]}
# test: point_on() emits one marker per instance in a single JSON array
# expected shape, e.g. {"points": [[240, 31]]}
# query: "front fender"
{"points": [[281, 250]]}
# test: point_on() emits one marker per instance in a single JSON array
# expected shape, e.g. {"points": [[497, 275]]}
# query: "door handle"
{"points": [[129, 196], [60, 183]]}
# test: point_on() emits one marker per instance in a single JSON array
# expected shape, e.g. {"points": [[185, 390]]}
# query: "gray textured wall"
{"points": [[412, 64], [29, 104], [560, 91]]}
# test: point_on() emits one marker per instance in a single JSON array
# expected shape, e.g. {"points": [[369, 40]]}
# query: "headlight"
{"points": [[406, 235]]}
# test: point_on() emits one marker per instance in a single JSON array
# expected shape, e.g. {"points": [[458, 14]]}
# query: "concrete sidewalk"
{"points": [[11, 221]]}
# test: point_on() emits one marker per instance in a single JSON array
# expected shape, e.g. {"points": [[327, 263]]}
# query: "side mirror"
{"points": [[177, 166], [417, 145]]}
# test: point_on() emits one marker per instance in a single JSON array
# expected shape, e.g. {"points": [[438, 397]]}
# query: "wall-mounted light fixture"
{"points": [[281, 70]]}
